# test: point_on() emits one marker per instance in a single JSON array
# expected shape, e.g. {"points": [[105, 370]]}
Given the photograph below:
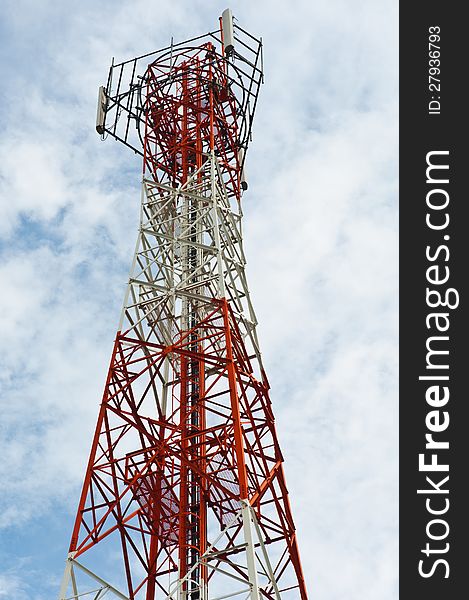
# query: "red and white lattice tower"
{"points": [[184, 495]]}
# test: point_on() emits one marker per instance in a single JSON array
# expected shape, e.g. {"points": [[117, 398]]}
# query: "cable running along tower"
{"points": [[184, 496]]}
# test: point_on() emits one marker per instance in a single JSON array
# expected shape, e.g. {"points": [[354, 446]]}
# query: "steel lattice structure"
{"points": [[184, 494]]}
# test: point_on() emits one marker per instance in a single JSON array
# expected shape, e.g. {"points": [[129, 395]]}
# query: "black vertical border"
{"points": [[421, 133]]}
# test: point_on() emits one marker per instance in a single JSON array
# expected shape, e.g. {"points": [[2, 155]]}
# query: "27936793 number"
{"points": [[434, 84]]}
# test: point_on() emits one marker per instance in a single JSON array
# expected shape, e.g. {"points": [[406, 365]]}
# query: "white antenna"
{"points": [[244, 180], [101, 112], [227, 25]]}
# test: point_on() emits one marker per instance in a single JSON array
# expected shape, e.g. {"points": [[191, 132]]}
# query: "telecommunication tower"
{"points": [[184, 496]]}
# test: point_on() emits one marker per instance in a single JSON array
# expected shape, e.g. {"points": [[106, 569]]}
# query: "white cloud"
{"points": [[11, 587]]}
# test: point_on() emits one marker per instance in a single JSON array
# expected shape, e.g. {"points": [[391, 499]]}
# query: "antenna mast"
{"points": [[184, 496]]}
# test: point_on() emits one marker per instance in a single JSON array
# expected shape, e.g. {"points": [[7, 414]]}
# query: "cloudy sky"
{"points": [[320, 238]]}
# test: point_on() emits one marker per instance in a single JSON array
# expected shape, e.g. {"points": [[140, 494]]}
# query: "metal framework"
{"points": [[184, 495]]}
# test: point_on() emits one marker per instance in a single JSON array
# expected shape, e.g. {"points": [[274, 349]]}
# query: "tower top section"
{"points": [[185, 101]]}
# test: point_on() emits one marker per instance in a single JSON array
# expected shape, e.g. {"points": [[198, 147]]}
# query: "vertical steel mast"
{"points": [[184, 496]]}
